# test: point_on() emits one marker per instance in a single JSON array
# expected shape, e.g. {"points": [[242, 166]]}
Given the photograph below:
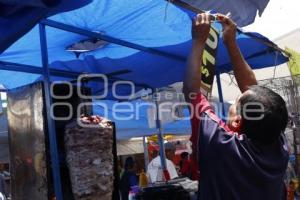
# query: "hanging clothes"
{"points": [[294, 61]]}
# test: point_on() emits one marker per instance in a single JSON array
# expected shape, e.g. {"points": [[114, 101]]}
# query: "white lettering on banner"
{"points": [[207, 57], [209, 61], [212, 44]]}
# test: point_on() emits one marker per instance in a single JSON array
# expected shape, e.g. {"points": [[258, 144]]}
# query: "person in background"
{"points": [[245, 158], [155, 167], [154, 154], [185, 165], [2, 197], [129, 178], [3, 187]]}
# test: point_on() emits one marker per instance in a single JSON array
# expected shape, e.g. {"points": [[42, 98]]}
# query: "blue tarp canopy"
{"points": [[159, 36], [134, 123], [18, 16], [148, 38]]}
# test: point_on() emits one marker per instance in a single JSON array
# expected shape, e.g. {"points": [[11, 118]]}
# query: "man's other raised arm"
{"points": [[242, 71]]}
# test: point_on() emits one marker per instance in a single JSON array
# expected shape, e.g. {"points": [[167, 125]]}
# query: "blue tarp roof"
{"points": [[18, 16], [138, 126], [150, 23]]}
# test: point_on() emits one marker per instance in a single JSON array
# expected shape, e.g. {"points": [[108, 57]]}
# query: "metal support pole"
{"points": [[50, 122], [160, 137], [36, 70], [146, 154], [295, 145], [219, 84], [74, 29]]}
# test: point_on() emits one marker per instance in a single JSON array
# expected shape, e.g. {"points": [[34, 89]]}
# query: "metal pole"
{"points": [[50, 121], [146, 154], [295, 145], [107, 38], [36, 70], [219, 84], [160, 137]]}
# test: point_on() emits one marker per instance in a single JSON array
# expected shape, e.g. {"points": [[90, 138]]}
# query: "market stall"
{"points": [[151, 54]]}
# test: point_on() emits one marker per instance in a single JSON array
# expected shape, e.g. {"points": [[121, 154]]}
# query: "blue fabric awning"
{"points": [[18, 16], [148, 23]]}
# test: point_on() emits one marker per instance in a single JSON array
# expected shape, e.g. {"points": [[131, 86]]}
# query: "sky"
{"points": [[279, 18]]}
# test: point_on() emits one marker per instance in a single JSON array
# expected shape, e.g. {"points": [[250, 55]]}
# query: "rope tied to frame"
{"points": [[166, 10]]}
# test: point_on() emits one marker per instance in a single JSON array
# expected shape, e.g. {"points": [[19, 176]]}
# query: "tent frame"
{"points": [[46, 73], [50, 122], [73, 29]]}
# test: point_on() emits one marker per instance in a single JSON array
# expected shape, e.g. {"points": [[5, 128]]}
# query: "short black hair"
{"points": [[184, 155], [129, 163], [273, 118]]}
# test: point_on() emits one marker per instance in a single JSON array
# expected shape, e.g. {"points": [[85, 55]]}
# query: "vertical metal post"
{"points": [[50, 122], [160, 137], [146, 154], [295, 145], [220, 93], [295, 119]]}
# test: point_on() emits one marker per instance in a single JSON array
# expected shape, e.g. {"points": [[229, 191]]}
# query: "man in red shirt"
{"points": [[245, 158]]}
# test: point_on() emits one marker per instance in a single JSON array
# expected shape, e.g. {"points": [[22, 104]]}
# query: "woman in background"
{"points": [[128, 178]]}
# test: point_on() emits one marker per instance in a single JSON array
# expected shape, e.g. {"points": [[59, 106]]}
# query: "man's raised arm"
{"points": [[242, 71], [200, 31]]}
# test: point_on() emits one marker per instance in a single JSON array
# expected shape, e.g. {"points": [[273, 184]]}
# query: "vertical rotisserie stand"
{"points": [[31, 162]]}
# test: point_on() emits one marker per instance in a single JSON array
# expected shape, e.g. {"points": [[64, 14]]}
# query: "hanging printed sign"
{"points": [[209, 62]]}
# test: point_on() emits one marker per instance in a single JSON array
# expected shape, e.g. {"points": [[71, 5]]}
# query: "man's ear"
{"points": [[236, 123]]}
